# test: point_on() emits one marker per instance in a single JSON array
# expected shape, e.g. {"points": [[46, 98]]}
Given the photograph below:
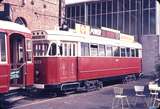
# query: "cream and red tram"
{"points": [[67, 60], [16, 63]]}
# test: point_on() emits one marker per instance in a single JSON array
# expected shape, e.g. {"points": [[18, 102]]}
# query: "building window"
{"points": [[145, 4], [23, 2], [145, 22], [104, 7], [120, 5], [152, 21], [115, 5], [133, 4], [21, 21]]}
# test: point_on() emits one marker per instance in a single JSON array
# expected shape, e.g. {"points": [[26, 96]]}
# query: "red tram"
{"points": [[67, 60], [16, 60]]}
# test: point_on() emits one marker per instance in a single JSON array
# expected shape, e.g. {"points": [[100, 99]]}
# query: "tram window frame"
{"points": [[123, 52], [102, 50], [69, 49], [109, 51], [136, 52], [3, 44], [140, 53], [37, 46], [29, 50], [85, 50], [116, 51], [53, 50], [132, 52], [73, 49], [94, 49]]}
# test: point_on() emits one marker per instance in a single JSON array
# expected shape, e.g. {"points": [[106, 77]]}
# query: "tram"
{"points": [[69, 61], [16, 60]]}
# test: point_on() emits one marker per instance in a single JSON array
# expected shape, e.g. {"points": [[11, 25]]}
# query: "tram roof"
{"points": [[13, 26], [71, 36]]}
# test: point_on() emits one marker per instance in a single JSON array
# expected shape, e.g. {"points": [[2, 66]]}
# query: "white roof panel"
{"points": [[13, 26]]}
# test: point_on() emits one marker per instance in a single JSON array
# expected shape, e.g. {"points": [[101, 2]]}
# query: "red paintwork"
{"points": [[5, 68], [4, 78], [100, 67], [30, 74], [56, 70]]}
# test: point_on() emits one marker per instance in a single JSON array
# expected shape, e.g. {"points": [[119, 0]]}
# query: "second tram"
{"points": [[16, 60], [66, 60]]}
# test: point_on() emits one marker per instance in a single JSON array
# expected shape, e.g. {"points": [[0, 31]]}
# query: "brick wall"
{"points": [[39, 14]]}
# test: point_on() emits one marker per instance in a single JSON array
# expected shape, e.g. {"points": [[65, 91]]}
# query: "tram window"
{"points": [[40, 49], [84, 49], [74, 49], [53, 49], [69, 49], [29, 50], [109, 51], [2, 47], [137, 52], [128, 52], [65, 49], [123, 52], [94, 50], [132, 53], [61, 50], [102, 51], [116, 51]]}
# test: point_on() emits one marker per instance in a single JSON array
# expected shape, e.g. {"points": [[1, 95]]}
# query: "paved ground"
{"points": [[101, 99]]}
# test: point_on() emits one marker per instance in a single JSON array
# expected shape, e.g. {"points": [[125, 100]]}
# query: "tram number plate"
{"points": [[15, 74]]}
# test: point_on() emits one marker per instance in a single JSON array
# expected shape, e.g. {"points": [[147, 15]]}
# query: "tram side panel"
{"points": [[55, 70], [30, 74], [67, 69], [4, 78], [102, 67]]}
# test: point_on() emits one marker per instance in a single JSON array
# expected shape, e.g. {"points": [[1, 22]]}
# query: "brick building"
{"points": [[35, 14]]}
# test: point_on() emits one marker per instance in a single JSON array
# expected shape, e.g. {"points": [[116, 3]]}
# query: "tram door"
{"points": [[18, 60]]}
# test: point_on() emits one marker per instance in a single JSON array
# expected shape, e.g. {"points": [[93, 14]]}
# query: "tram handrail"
{"points": [[18, 67]]}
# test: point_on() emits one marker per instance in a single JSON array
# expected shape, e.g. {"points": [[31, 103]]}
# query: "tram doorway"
{"points": [[17, 60]]}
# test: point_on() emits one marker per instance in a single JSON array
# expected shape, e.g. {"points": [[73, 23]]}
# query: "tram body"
{"points": [[16, 60], [66, 60]]}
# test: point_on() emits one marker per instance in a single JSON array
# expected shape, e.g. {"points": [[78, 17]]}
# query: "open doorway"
{"points": [[18, 60]]}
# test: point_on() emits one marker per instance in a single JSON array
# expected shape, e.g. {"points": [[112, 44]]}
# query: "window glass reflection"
{"points": [[152, 3], [145, 22], [152, 21], [145, 4]]}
